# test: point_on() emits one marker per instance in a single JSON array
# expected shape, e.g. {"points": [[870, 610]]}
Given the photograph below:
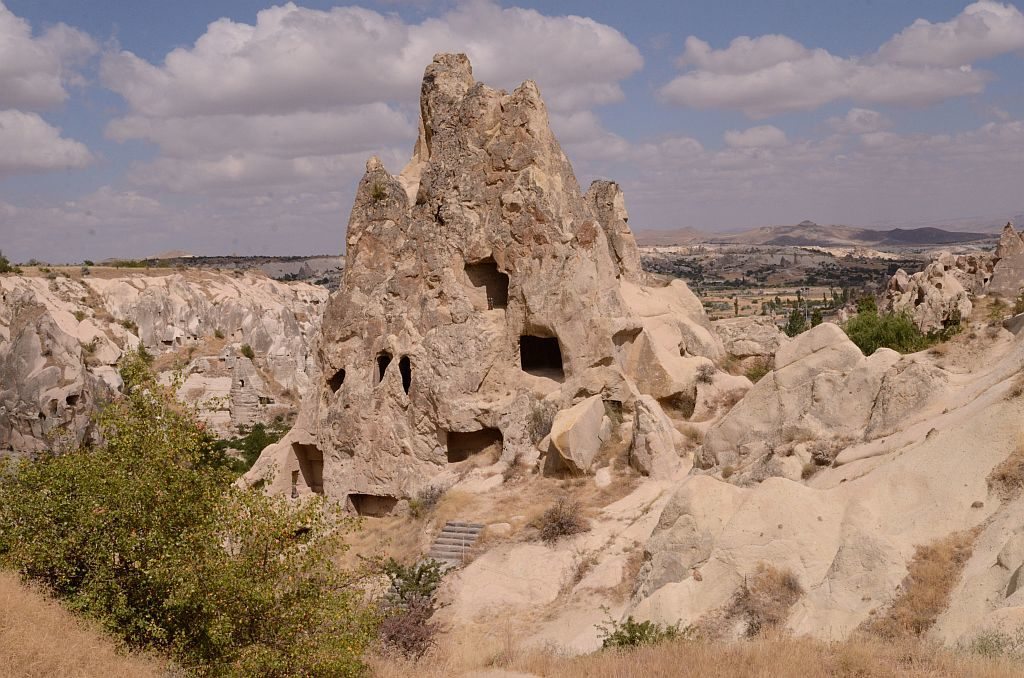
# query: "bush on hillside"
{"points": [[563, 519], [631, 633], [5, 264], [145, 532], [872, 330]]}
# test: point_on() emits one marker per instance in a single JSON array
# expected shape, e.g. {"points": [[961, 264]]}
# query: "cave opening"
{"points": [[465, 444], [405, 369], [541, 356], [486, 275], [383, 360]]}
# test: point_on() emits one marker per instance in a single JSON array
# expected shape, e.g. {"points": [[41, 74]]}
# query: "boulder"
{"points": [[653, 452], [578, 433]]}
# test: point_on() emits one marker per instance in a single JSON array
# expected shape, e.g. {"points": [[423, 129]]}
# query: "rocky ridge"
{"points": [[61, 337]]}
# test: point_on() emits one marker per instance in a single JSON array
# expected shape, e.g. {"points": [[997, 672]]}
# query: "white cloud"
{"points": [[983, 30], [761, 136], [299, 58], [30, 144], [301, 90], [34, 70], [772, 74], [859, 121]]}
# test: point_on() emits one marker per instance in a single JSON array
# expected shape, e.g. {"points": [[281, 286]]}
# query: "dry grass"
{"points": [[761, 606], [1017, 388], [924, 594], [764, 657], [39, 638], [1007, 478]]}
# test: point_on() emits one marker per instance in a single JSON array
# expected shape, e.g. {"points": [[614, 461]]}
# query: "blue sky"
{"points": [[240, 126]]}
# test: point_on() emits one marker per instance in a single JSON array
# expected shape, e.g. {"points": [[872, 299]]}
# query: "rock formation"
{"points": [[1008, 276], [484, 293], [61, 338], [939, 295]]}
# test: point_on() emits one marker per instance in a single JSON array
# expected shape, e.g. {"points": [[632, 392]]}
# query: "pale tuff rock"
{"points": [[481, 288], [60, 340], [823, 389], [1008, 277], [750, 336], [940, 295], [934, 298]]}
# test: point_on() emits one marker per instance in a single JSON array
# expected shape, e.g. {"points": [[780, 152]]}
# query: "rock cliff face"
{"points": [[60, 340], [482, 293]]}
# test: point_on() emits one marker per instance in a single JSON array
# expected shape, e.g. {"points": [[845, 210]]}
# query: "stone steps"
{"points": [[454, 545]]}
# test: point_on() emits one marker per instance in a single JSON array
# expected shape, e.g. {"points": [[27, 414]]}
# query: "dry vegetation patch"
{"points": [[777, 657], [1007, 478], [761, 605], [924, 593], [40, 638]]}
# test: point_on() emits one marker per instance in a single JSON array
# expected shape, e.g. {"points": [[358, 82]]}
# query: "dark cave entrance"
{"points": [[485, 275], [541, 356], [463, 445]]}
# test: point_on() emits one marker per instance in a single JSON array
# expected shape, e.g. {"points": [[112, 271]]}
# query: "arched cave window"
{"points": [[485, 274], [337, 380], [383, 360], [405, 369], [541, 356]]}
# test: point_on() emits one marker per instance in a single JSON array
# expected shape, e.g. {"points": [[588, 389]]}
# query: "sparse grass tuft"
{"points": [[426, 500], [1007, 478], [924, 594], [247, 351], [705, 373], [563, 519], [765, 598]]}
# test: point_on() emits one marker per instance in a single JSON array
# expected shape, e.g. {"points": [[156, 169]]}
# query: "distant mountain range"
{"points": [[808, 233]]}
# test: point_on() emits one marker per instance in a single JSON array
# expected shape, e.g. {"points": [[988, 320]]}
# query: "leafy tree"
{"points": [[816, 318], [5, 264], [796, 323], [145, 532]]}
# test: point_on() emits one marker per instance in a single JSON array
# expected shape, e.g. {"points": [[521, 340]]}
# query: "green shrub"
{"points": [[871, 331], [418, 580], [129, 325], [218, 334], [79, 315], [378, 192], [251, 441], [631, 633], [706, 373], [146, 533], [5, 264], [247, 351], [1018, 304], [758, 369], [796, 323], [425, 500]]}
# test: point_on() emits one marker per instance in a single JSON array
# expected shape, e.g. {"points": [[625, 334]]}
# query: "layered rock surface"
{"points": [[484, 293], [61, 338]]}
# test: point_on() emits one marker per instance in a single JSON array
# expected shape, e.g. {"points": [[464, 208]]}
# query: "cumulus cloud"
{"points": [[30, 144], [35, 69], [300, 58], [301, 90], [771, 74], [755, 137], [983, 30]]}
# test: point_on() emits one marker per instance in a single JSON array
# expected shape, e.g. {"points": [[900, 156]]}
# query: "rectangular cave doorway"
{"points": [[485, 444], [494, 283], [373, 505], [310, 474], [541, 356]]}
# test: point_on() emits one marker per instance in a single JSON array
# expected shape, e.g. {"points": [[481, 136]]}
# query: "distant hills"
{"points": [[808, 233]]}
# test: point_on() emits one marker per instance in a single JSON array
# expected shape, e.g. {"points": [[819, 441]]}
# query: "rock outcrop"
{"points": [[61, 338], [939, 296], [481, 287], [824, 395], [1008, 274]]}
